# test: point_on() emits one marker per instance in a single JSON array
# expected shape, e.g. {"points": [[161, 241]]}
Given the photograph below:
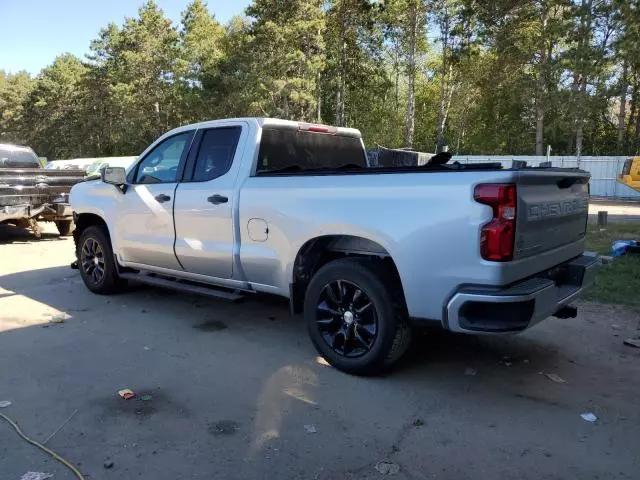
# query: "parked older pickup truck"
{"points": [[30, 193], [229, 207]]}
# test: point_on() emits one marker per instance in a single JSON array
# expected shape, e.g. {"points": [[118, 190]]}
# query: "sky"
{"points": [[34, 32]]}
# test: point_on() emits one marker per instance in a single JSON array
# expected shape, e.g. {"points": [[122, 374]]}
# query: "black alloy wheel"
{"points": [[92, 260], [347, 319], [355, 315]]}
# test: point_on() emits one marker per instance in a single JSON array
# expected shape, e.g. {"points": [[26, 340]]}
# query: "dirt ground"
{"points": [[618, 212], [235, 391]]}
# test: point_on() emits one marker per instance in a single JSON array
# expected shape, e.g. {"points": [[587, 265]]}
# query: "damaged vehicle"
{"points": [[30, 193]]}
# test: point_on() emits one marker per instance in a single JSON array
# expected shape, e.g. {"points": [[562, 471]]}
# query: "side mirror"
{"points": [[114, 175]]}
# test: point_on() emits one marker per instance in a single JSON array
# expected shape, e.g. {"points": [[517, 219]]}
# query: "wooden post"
{"points": [[602, 218]]}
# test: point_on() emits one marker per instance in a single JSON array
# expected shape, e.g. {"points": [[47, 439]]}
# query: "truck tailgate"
{"points": [[552, 210], [35, 186]]}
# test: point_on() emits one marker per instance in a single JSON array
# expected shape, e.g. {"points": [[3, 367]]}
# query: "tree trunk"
{"points": [[633, 107], [340, 100], [411, 74], [442, 110], [580, 123], [586, 17], [623, 109], [540, 86], [319, 98]]}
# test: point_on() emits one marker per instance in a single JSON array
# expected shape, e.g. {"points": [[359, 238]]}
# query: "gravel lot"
{"points": [[231, 388]]}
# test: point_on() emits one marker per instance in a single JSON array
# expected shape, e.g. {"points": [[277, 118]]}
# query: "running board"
{"points": [[183, 286]]}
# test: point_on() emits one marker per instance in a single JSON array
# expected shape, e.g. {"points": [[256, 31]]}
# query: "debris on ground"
{"points": [[588, 417], [211, 326], [622, 247], [632, 342], [5, 403], [36, 476], [470, 371], [108, 464], [224, 427], [310, 428], [59, 318], [606, 260], [126, 393], [55, 432], [555, 378], [387, 468]]}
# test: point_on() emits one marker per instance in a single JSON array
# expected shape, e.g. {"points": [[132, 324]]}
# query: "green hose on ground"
{"points": [[43, 448]]}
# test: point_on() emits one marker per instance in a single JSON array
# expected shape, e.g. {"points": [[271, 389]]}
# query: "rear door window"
{"points": [[216, 152], [24, 159], [290, 150]]}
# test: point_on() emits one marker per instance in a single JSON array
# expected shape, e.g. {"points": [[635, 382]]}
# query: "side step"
{"points": [[183, 286]]}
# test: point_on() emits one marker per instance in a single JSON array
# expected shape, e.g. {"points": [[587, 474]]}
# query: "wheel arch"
{"points": [[86, 220], [318, 251]]}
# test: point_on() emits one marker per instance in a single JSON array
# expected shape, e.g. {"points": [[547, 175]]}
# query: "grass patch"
{"points": [[618, 283], [600, 241]]}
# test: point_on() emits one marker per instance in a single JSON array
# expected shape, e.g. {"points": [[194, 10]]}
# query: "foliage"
{"points": [[481, 76]]}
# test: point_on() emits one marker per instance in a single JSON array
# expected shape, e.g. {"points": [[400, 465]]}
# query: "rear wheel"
{"points": [[96, 261], [356, 318], [65, 227]]}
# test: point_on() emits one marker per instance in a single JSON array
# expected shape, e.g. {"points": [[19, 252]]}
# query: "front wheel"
{"points": [[355, 317], [96, 261]]}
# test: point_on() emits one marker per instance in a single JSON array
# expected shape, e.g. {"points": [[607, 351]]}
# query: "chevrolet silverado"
{"points": [[229, 207]]}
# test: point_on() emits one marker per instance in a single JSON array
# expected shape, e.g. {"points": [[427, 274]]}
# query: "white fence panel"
{"points": [[604, 171]]}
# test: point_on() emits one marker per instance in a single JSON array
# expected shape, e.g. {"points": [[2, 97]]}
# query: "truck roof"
{"points": [[262, 122], [10, 147]]}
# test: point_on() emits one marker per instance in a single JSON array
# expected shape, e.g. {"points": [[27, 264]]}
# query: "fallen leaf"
{"points": [[555, 378], [387, 468]]}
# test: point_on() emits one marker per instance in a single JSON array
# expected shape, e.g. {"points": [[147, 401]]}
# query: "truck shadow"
{"points": [[266, 319], [12, 234]]}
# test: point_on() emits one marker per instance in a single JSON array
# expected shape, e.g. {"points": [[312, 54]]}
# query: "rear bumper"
{"points": [[481, 309], [57, 211], [14, 212]]}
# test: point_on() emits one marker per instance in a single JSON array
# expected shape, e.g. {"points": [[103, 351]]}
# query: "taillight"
{"points": [[497, 237]]}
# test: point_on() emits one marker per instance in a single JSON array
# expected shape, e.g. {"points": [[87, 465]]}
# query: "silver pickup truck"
{"points": [[229, 207]]}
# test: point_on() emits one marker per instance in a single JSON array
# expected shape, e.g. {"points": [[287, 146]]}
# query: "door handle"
{"points": [[162, 198], [217, 199]]}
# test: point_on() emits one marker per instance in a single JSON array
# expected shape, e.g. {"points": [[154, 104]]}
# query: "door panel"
{"points": [[205, 203], [144, 226]]}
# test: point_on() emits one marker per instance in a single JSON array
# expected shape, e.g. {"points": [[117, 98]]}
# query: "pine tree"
{"points": [[287, 51]]}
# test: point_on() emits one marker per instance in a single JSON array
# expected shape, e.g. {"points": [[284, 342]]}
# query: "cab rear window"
{"points": [[18, 158], [284, 150]]}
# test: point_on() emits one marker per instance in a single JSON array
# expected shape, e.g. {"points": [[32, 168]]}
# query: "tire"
{"points": [[383, 329], [65, 227], [94, 243]]}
